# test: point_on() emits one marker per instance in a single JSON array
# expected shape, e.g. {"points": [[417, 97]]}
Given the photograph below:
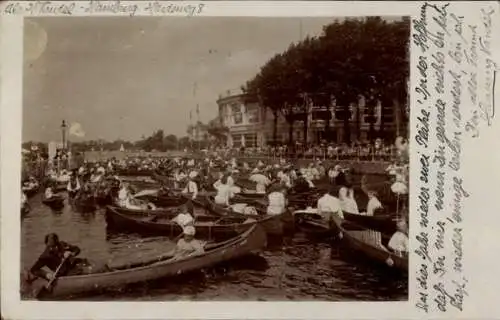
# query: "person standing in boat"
{"points": [[73, 185], [48, 193], [347, 201], [185, 218], [371, 236], [399, 240], [329, 204], [223, 192], [24, 201], [285, 178], [188, 245], [230, 180], [191, 188], [179, 178], [52, 257], [373, 204], [301, 185], [277, 201]]}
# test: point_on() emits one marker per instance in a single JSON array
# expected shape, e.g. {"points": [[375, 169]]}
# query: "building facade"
{"points": [[251, 125]]}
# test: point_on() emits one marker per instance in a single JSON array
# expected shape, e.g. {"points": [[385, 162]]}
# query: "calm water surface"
{"points": [[299, 269]]}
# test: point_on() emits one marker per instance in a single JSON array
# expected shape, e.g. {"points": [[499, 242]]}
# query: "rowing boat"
{"points": [[311, 223], [251, 241], [207, 226], [161, 212], [133, 172], [163, 179], [85, 204], [30, 192], [273, 224], [383, 223], [54, 202], [370, 250], [165, 200]]}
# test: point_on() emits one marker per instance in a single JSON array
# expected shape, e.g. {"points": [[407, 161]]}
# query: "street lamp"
{"points": [[63, 132]]}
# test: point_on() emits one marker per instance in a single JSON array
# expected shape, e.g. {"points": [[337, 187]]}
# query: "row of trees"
{"points": [[209, 134], [352, 58]]}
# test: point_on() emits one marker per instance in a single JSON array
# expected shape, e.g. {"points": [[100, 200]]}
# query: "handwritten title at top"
{"points": [[102, 7]]}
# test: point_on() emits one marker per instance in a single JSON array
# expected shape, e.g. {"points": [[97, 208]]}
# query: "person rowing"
{"points": [[191, 188], [56, 254]]}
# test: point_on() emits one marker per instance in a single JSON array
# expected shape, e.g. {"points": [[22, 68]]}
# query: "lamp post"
{"points": [[63, 133]]}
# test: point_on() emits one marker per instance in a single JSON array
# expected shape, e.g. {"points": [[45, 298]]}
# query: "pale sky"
{"points": [[125, 77]]}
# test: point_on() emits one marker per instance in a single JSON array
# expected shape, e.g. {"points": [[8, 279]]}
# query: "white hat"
{"points": [[183, 219], [193, 174], [189, 231]]}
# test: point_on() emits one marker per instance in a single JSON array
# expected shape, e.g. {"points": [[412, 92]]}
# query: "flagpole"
{"points": [[197, 126]]}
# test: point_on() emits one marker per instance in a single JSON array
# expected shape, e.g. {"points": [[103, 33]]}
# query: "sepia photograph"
{"points": [[215, 158]]}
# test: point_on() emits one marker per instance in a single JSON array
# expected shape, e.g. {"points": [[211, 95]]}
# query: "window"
{"points": [[250, 140], [236, 111], [236, 140], [253, 114], [322, 115]]}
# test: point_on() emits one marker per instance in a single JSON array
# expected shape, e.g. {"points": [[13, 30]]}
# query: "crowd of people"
{"points": [[226, 177], [356, 151]]}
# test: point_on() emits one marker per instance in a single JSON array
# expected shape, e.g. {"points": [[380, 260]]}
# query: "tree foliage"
{"points": [[351, 58]]}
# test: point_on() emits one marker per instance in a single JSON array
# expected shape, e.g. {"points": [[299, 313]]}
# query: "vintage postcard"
{"points": [[259, 160]]}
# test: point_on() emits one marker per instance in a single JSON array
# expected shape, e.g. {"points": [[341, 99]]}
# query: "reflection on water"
{"points": [[297, 269]]}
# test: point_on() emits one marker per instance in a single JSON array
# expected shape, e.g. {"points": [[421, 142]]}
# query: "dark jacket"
{"points": [[52, 259]]}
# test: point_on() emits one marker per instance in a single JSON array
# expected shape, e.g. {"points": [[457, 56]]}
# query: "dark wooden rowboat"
{"points": [[251, 241], [273, 224], [371, 251], [163, 179], [55, 202], [206, 226], [162, 212], [86, 204], [133, 172], [311, 223], [383, 223], [30, 192], [167, 200], [25, 209], [60, 186]]}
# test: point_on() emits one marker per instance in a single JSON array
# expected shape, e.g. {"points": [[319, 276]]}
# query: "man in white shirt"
{"points": [[329, 204], [277, 203]]}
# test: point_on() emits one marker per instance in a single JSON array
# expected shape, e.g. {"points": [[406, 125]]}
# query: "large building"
{"points": [[251, 125]]}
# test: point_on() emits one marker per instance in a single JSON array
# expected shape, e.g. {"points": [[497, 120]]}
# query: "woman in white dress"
{"points": [[277, 202], [399, 240], [347, 201], [371, 236], [223, 192]]}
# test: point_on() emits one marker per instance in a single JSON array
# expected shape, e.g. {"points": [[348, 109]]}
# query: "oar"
{"points": [[48, 286]]}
